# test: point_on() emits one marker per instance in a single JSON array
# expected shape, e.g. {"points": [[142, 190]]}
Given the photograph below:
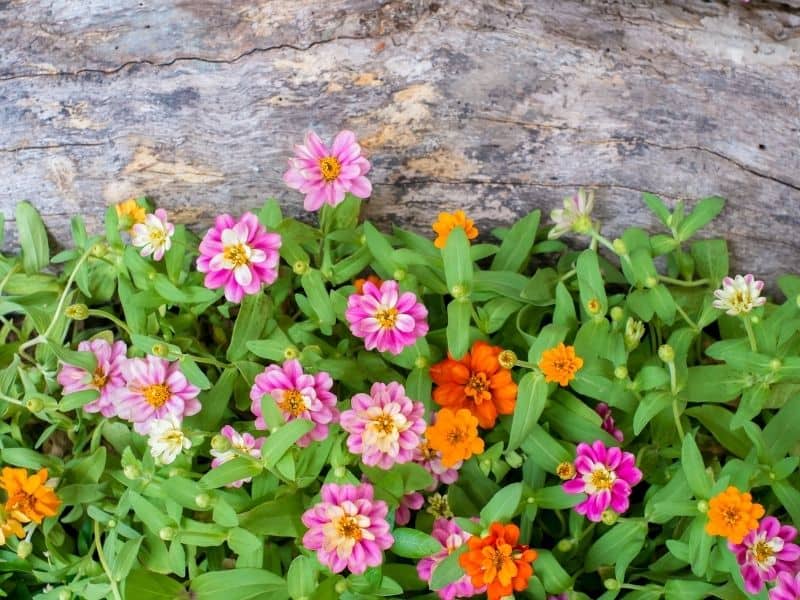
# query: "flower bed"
{"points": [[279, 410]]}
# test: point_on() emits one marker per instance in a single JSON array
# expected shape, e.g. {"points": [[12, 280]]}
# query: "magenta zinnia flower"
{"points": [[451, 537], [299, 396], [787, 587], [765, 552], [408, 502], [348, 528], [431, 461], [239, 256], [606, 475], [604, 410], [242, 444], [385, 318], [325, 175], [106, 379], [385, 426], [154, 388]]}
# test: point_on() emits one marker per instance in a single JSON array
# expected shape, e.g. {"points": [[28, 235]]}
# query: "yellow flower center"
{"points": [[456, 435], [330, 167], [236, 254], [428, 453], [292, 403], [602, 479], [762, 552], [157, 236], [156, 395], [99, 378], [565, 470], [730, 515], [384, 423], [386, 317], [21, 505], [476, 386], [741, 301], [347, 527]]}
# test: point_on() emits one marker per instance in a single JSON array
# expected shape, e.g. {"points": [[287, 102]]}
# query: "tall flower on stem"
{"points": [[765, 552], [560, 364], [733, 514], [239, 256], [477, 382], [299, 395], [325, 174], [449, 221], [739, 295], [606, 475], [107, 377], [155, 388], [154, 236], [574, 216], [387, 320], [241, 444], [451, 537], [28, 497], [348, 528], [455, 436], [498, 561], [385, 426]]}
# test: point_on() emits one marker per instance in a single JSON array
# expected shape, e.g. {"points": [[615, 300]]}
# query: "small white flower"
{"points": [[575, 216], [739, 295], [634, 331], [166, 439], [154, 236]]}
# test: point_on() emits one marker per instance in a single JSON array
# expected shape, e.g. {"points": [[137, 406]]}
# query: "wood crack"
{"points": [[56, 146]]}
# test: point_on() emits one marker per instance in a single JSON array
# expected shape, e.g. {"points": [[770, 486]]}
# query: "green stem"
{"points": [[673, 378], [681, 282], [686, 318], [677, 417], [101, 555], [748, 326], [527, 365], [93, 312], [568, 275], [11, 400], [209, 361], [11, 271], [602, 240]]}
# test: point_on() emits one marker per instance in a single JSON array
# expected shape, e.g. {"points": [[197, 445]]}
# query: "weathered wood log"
{"points": [[493, 106]]}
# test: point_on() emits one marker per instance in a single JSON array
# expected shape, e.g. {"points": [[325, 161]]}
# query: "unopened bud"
{"points": [[621, 372], [24, 549], [64, 595], [620, 247], [634, 331], [507, 359], [220, 443], [650, 282], [399, 275], [34, 404], [611, 584], [775, 364], [593, 306], [341, 586], [166, 533], [77, 312], [99, 249], [132, 472], [617, 313], [565, 545], [459, 291], [202, 500], [300, 267], [566, 470], [609, 517], [755, 319], [290, 353], [702, 506], [160, 350], [339, 472], [421, 362], [666, 353], [111, 523]]}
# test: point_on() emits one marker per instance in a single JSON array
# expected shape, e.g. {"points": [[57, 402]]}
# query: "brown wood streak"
{"points": [[497, 107]]}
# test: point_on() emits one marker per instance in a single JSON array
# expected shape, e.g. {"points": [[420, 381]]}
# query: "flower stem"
{"points": [[104, 563], [676, 414], [681, 282], [602, 240], [11, 271], [93, 312], [686, 318], [748, 327]]}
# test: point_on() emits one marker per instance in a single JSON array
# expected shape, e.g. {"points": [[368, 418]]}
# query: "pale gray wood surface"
{"points": [[497, 107]]}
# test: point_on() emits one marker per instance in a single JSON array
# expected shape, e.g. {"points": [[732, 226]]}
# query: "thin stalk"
{"points": [[681, 282], [748, 327], [93, 312], [101, 555], [686, 318]]}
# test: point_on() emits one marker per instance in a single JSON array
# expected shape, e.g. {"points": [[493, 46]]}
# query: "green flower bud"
{"points": [[634, 331], [399, 275], [290, 353], [617, 313], [166, 533], [132, 472], [202, 500], [111, 523], [507, 359], [611, 584], [565, 545], [755, 319], [666, 353], [775, 364], [459, 291], [421, 362], [24, 549], [341, 586], [77, 312], [702, 506], [64, 595], [220, 443], [300, 267], [609, 517], [619, 247], [34, 404], [99, 249], [593, 306], [650, 282], [621, 372], [160, 350], [339, 472]]}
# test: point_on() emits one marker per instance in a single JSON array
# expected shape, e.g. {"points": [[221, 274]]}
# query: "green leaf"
{"points": [[254, 312], [77, 400], [459, 315], [449, 570], [318, 296], [153, 586], [410, 543], [153, 518], [648, 408], [555, 498], [301, 578], [281, 440], [32, 238], [126, 558], [84, 359], [780, 438], [517, 244], [380, 249], [276, 517], [503, 505], [695, 468], [711, 259], [543, 450], [590, 281], [239, 584], [663, 303], [194, 373], [700, 544], [552, 574], [657, 206], [702, 214], [230, 471], [457, 262], [531, 398], [215, 401], [789, 497], [618, 547], [718, 421]]}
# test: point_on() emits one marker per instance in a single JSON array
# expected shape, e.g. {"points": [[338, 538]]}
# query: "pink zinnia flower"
{"points": [[385, 318], [325, 175], [431, 461], [765, 552], [606, 475], [451, 537], [348, 528], [408, 502], [106, 379], [299, 396], [154, 236], [242, 444], [385, 426], [604, 410], [787, 588], [154, 388], [239, 256], [739, 295]]}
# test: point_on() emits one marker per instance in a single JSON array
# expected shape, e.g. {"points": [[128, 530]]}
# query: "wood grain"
{"points": [[497, 107]]}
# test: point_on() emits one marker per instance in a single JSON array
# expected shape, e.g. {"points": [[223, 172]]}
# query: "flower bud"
{"points": [[611, 584], [290, 353], [160, 350], [702, 506], [132, 472], [24, 549], [99, 249], [220, 443], [775, 364], [619, 247], [166, 533], [399, 275], [565, 545], [621, 372], [341, 586], [421, 362], [650, 282], [566, 470], [617, 313], [755, 319], [339, 472], [583, 224], [609, 517], [34, 404], [459, 291], [202, 500], [64, 595], [666, 353], [111, 523], [507, 359], [300, 267], [634, 331], [77, 312], [593, 306]]}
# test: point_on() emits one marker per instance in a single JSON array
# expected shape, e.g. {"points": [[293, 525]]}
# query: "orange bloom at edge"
{"points": [[455, 435], [449, 221], [28, 498], [373, 279], [477, 382], [560, 364], [9, 526], [732, 514], [498, 561], [130, 213]]}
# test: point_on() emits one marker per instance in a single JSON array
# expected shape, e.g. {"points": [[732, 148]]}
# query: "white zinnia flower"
{"points": [[575, 216], [154, 236], [166, 439], [739, 295]]}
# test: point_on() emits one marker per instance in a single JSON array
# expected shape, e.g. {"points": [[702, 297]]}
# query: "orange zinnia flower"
{"points": [[449, 221], [29, 499], [373, 279], [732, 514], [455, 435], [560, 364], [9, 526], [498, 562], [477, 382], [130, 213]]}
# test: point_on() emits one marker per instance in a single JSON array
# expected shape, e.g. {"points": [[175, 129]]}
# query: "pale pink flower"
{"points": [[325, 174], [242, 444], [348, 528], [386, 319], [451, 537], [154, 388], [575, 216], [606, 475], [154, 236], [385, 426], [765, 552], [739, 295], [239, 256], [431, 460], [106, 379], [408, 502], [298, 395]]}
